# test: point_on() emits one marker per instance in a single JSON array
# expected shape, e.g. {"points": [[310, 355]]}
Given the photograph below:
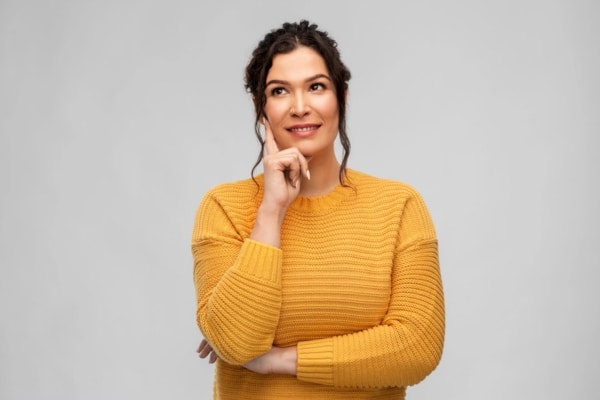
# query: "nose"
{"points": [[299, 106]]}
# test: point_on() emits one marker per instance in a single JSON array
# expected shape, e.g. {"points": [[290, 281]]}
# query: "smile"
{"points": [[303, 130]]}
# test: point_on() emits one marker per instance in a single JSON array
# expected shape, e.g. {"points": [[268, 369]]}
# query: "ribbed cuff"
{"points": [[315, 361], [261, 260]]}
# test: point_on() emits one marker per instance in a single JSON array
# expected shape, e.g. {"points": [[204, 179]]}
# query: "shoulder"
{"points": [[381, 187], [239, 187], [226, 210], [239, 193], [395, 195]]}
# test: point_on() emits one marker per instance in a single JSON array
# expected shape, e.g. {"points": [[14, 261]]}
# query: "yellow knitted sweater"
{"points": [[355, 285]]}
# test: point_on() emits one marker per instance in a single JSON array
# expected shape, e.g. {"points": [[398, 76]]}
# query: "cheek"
{"points": [[276, 114], [328, 107], [275, 111]]}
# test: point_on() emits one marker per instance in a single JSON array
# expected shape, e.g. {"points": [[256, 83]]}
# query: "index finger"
{"points": [[270, 144]]}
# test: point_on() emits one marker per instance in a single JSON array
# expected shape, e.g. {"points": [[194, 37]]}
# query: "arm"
{"points": [[402, 351], [407, 345], [238, 286], [238, 282]]}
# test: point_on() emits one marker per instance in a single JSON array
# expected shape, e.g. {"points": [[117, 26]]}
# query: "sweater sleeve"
{"points": [[238, 285], [407, 345]]}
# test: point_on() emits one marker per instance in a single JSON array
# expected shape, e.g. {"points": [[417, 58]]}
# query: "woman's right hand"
{"points": [[283, 171]]}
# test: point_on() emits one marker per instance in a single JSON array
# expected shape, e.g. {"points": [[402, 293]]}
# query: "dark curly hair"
{"points": [[284, 40]]}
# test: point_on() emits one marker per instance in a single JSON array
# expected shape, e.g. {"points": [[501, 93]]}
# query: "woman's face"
{"points": [[301, 104]]}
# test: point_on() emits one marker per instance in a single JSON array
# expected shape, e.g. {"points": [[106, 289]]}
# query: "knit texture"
{"points": [[355, 286]]}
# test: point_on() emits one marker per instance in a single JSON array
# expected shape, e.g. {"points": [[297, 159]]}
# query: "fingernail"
{"points": [[308, 175]]}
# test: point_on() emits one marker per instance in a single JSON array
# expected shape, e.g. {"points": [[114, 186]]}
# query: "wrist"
{"points": [[287, 360], [272, 213], [267, 227]]}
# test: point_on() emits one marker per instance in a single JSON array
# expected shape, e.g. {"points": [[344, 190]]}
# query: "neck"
{"points": [[324, 177]]}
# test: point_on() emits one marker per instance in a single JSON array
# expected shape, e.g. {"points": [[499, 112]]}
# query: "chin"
{"points": [[306, 152]]}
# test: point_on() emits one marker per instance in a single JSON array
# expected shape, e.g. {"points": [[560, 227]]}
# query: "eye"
{"points": [[317, 86], [277, 91]]}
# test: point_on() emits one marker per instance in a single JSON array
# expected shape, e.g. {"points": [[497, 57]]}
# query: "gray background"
{"points": [[117, 116]]}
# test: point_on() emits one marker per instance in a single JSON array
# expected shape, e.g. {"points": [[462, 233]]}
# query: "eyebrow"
{"points": [[312, 78]]}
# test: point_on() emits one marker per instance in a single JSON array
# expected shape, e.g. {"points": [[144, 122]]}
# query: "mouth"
{"points": [[303, 130]]}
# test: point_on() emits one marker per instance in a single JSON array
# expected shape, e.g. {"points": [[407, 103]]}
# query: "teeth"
{"points": [[305, 129]]}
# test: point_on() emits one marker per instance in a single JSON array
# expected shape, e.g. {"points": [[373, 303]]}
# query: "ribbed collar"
{"points": [[324, 203], [329, 201]]}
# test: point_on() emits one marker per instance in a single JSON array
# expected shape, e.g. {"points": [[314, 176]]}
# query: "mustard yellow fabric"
{"points": [[355, 285]]}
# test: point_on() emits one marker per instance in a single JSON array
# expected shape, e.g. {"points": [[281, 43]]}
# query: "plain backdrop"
{"points": [[117, 116]]}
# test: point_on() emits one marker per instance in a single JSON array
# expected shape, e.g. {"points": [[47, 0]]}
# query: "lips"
{"points": [[303, 130]]}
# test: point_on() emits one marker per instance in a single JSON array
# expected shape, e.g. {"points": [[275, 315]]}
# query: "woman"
{"points": [[313, 280]]}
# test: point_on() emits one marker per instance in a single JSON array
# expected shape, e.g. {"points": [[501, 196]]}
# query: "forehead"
{"points": [[299, 63]]}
